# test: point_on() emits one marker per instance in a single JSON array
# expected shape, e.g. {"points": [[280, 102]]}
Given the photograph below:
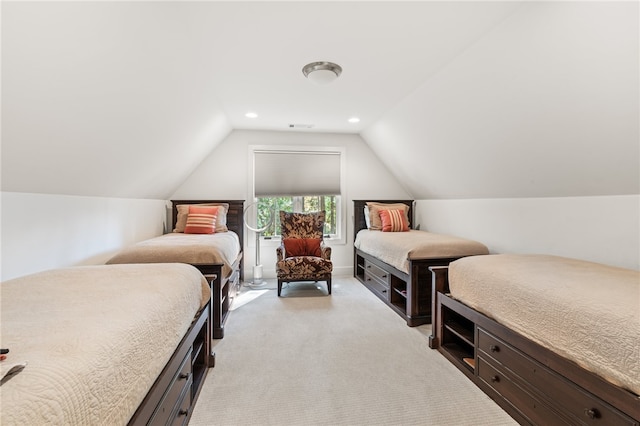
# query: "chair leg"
{"points": [[279, 287], [329, 285]]}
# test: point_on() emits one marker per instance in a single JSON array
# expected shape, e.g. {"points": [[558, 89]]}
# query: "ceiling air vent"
{"points": [[300, 126]]}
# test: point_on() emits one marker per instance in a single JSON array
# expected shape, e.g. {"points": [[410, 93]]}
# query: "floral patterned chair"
{"points": [[302, 255]]}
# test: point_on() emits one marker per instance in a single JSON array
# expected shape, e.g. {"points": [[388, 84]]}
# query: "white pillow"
{"points": [[367, 220]]}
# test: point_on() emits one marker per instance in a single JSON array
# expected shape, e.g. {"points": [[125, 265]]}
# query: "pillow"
{"points": [[183, 212], [367, 220], [302, 247], [375, 208], [201, 220], [393, 221]]}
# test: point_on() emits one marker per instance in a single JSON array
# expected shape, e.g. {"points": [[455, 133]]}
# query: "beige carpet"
{"points": [[345, 359]]}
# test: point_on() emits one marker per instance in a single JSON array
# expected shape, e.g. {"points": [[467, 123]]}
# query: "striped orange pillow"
{"points": [[201, 220], [393, 221]]}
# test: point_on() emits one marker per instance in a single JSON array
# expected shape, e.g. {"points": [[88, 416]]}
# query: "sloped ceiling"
{"points": [[546, 104], [103, 99], [458, 99], [124, 99]]}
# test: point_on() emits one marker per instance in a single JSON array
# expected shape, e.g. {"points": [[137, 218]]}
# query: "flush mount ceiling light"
{"points": [[251, 114], [354, 120], [322, 72]]}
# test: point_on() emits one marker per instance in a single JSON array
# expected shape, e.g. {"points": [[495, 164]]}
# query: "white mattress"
{"points": [[583, 311], [397, 248], [194, 249], [94, 338]]}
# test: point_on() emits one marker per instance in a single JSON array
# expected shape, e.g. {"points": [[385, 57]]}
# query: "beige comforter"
{"points": [[95, 338], [195, 249], [397, 248], [586, 312]]}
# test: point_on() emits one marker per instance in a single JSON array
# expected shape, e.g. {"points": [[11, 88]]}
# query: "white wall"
{"points": [[598, 229], [546, 104], [224, 174], [43, 231]]}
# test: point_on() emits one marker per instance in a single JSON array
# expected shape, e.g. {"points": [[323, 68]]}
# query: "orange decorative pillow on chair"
{"points": [[393, 221], [302, 247], [201, 220]]}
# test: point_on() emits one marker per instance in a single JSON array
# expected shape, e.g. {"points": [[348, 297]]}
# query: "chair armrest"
{"points": [[280, 253], [326, 251]]}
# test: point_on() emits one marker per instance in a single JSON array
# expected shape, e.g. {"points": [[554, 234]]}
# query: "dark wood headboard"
{"points": [[358, 213], [235, 214]]}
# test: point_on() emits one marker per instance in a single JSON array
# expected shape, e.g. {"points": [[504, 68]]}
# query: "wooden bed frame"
{"points": [[533, 384], [409, 295], [224, 289], [173, 395]]}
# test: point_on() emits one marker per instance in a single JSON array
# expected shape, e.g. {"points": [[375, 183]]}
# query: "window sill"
{"points": [[276, 241]]}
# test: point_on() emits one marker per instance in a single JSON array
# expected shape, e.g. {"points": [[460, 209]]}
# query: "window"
{"points": [[298, 179], [307, 203]]}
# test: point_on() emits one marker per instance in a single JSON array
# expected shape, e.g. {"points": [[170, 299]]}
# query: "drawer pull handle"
{"points": [[368, 266], [384, 276], [592, 413], [368, 279], [495, 379], [494, 348], [184, 376], [384, 291], [183, 412]]}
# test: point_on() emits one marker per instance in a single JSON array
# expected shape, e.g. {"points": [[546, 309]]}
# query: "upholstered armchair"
{"points": [[302, 255]]}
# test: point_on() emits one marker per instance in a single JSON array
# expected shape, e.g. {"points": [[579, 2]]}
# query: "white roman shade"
{"points": [[296, 173]]}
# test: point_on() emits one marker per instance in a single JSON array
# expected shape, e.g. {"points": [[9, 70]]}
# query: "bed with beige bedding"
{"points": [[102, 344], [399, 249], [394, 264], [218, 255], [577, 319], [220, 248]]}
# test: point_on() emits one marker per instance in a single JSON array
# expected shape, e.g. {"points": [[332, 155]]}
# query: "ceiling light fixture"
{"points": [[251, 115], [322, 72], [354, 120]]}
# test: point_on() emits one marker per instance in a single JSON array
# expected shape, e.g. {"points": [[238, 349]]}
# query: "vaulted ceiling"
{"points": [[458, 99]]}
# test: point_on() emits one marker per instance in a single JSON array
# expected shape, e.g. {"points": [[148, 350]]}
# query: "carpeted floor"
{"points": [[345, 359]]}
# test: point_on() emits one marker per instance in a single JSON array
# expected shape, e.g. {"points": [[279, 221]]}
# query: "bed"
{"points": [[395, 265], [218, 256], [553, 340], [106, 344]]}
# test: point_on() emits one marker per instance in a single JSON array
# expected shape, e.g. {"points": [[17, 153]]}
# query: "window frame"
{"points": [[341, 210], [297, 202]]}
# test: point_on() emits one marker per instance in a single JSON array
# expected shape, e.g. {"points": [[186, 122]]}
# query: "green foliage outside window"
{"points": [[304, 204]]}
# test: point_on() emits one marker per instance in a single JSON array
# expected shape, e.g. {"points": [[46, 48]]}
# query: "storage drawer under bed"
{"points": [[376, 272], [532, 408], [377, 279], [582, 406], [180, 388], [375, 284]]}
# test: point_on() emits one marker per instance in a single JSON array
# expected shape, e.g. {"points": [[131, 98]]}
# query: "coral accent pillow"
{"points": [[201, 220], [393, 221], [302, 247]]}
